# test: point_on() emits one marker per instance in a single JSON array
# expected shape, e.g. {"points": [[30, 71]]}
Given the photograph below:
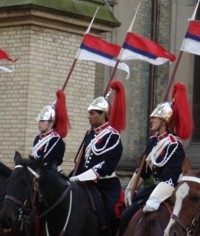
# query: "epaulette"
{"points": [[172, 139], [114, 131], [55, 134]]}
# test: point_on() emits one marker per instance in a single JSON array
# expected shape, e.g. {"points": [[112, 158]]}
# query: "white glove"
{"points": [[128, 197], [152, 204], [85, 176], [73, 179]]}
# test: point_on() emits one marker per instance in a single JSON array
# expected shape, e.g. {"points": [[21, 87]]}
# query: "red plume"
{"points": [[181, 121], [118, 112], [62, 120]]}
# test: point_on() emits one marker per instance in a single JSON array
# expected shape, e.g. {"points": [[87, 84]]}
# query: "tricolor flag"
{"points": [[4, 56], [191, 42], [97, 50], [136, 47]]}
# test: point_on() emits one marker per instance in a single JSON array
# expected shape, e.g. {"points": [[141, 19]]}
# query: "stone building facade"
{"points": [[46, 39]]}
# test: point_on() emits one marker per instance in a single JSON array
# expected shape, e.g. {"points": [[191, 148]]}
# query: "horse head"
{"points": [[18, 195], [185, 219]]}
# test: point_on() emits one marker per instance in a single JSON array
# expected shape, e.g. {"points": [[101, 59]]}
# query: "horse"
{"points": [[67, 209], [151, 223], [185, 218], [5, 172]]}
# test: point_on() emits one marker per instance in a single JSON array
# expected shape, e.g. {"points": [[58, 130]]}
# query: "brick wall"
{"points": [[45, 57]]}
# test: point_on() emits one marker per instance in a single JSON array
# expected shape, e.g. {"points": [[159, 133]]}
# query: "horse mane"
{"points": [[187, 168], [5, 170], [49, 173]]}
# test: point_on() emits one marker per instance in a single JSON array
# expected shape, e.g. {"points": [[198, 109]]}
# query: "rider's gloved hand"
{"points": [[85, 176], [152, 204], [73, 179], [127, 197]]}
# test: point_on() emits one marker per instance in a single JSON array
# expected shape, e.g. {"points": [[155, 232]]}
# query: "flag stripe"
{"points": [[191, 46], [4, 56], [193, 31], [194, 28], [135, 56], [6, 69], [146, 47], [89, 55], [137, 47], [191, 36], [191, 42], [98, 50], [100, 46], [95, 51], [139, 51]]}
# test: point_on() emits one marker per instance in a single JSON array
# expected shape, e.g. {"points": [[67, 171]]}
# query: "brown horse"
{"points": [[185, 219], [151, 224]]}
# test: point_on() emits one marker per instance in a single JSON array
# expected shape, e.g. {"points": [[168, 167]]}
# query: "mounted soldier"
{"points": [[53, 126], [100, 155], [171, 123]]}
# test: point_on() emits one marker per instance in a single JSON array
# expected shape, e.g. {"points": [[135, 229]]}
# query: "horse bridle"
{"points": [[23, 216], [24, 206], [188, 229]]}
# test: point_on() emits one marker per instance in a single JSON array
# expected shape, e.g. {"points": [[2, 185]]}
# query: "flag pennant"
{"points": [[4, 56], [97, 50], [136, 47], [191, 41]]}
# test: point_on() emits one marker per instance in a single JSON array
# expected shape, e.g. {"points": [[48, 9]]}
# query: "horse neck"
{"points": [[51, 185]]}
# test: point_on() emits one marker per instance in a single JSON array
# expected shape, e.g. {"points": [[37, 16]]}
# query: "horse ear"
{"points": [[186, 166], [17, 157]]}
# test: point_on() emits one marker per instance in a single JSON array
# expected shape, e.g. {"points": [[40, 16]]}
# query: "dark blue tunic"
{"points": [[101, 152], [52, 150], [165, 154]]}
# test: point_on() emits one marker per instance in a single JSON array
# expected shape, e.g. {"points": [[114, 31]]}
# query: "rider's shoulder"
{"points": [[173, 139]]}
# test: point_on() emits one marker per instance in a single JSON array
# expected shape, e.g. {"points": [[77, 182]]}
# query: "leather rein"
{"points": [[25, 206]]}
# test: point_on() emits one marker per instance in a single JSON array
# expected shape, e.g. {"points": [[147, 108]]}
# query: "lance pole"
{"points": [[111, 77], [69, 74], [139, 171], [179, 57], [172, 76], [75, 60], [121, 52]]}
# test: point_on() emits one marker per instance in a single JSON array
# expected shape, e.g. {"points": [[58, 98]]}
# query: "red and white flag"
{"points": [[191, 41], [4, 56], [97, 50], [137, 47]]}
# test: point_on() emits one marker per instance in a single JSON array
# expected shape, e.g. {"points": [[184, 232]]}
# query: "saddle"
{"points": [[97, 205]]}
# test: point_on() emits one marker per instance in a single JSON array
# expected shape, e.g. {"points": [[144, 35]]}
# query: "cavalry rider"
{"points": [[164, 155], [101, 153], [53, 127]]}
